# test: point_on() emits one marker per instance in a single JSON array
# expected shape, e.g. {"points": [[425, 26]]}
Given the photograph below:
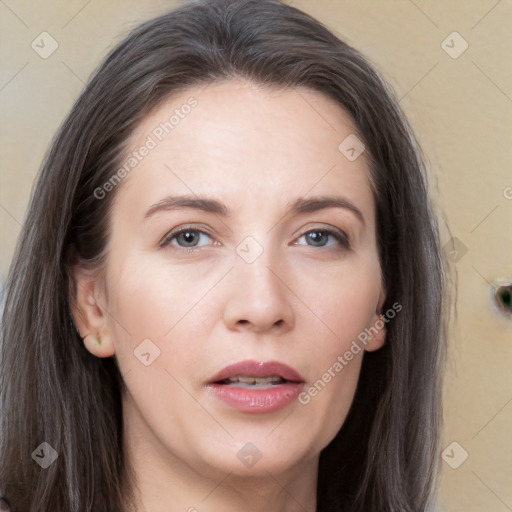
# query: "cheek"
{"points": [[151, 297], [343, 297], [326, 400], [345, 304], [159, 322], [166, 311]]}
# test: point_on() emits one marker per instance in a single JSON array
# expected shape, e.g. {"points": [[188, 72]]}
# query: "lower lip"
{"points": [[257, 400]]}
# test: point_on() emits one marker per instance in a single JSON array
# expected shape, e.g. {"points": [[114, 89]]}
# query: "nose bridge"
{"points": [[258, 295], [256, 270]]}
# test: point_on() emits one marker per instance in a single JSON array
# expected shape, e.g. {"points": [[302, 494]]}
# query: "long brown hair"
{"points": [[385, 456]]}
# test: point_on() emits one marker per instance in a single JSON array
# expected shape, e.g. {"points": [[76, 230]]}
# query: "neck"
{"points": [[166, 483]]}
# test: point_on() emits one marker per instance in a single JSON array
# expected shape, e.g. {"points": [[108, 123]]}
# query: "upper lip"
{"points": [[258, 369]]}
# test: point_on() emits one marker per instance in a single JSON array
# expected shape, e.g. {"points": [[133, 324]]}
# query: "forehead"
{"points": [[240, 140]]}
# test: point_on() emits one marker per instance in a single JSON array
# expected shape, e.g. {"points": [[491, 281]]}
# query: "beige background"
{"points": [[461, 109]]}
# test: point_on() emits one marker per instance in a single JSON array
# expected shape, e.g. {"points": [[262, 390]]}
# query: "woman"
{"points": [[228, 288]]}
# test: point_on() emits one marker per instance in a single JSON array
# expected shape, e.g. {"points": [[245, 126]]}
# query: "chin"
{"points": [[259, 458]]}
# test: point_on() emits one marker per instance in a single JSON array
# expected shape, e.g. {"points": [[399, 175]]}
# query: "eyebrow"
{"points": [[300, 205], [188, 201]]}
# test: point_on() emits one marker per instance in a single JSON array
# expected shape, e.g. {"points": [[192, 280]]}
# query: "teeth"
{"points": [[261, 381]]}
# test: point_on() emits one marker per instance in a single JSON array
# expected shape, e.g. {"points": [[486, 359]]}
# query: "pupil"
{"points": [[188, 237]]}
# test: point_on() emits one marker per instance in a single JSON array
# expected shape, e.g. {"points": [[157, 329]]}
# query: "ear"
{"points": [[377, 329], [89, 314]]}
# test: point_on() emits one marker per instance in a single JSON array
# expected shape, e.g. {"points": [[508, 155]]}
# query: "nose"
{"points": [[259, 299]]}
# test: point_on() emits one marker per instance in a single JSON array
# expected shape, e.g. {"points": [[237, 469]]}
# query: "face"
{"points": [[242, 266]]}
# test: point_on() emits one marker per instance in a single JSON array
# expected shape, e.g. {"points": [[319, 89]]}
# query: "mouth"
{"points": [[257, 374], [255, 386], [253, 382]]}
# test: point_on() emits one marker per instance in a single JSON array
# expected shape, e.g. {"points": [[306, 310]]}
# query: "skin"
{"points": [[302, 303]]}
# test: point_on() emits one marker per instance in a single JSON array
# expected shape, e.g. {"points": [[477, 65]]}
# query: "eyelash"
{"points": [[339, 236]]}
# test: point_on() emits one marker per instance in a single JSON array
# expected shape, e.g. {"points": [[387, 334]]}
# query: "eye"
{"points": [[186, 238], [192, 238], [323, 237]]}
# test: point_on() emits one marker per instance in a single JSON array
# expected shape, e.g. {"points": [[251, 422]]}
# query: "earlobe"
{"points": [[99, 346], [377, 334]]}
